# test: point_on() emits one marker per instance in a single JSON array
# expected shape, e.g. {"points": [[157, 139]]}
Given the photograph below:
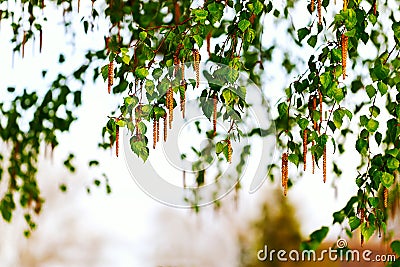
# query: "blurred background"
{"points": [[127, 227]]}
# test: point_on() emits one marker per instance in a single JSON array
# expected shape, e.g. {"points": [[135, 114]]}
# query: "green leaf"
{"points": [[219, 147], [378, 138], [319, 235], [338, 118], [367, 231], [198, 39], [371, 91], [294, 158], [142, 35], [387, 179], [354, 223], [395, 246], [374, 201], [303, 123], [381, 72], [326, 79], [372, 125], [141, 73], [258, 7], [149, 86], [126, 59], [382, 87], [243, 24], [312, 41], [302, 33], [200, 14], [337, 94], [283, 109], [362, 146], [392, 163], [131, 100], [140, 148]]}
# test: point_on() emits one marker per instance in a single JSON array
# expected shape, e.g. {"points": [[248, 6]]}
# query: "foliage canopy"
{"points": [[341, 63]]}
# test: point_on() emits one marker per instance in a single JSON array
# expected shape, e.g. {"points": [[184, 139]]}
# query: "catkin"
{"points": [[344, 5], [196, 58], [170, 105], [117, 140], [324, 164], [305, 149], [110, 75], [314, 105], [208, 39], [385, 197], [154, 132], [344, 54], [285, 173], [312, 7], [183, 99], [374, 7], [319, 9], [215, 102], [229, 150], [165, 127]]}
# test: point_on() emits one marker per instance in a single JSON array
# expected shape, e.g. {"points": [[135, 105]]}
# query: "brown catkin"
{"points": [[196, 58], [183, 70], [285, 172], [312, 7], [324, 164], [183, 98], [319, 9], [229, 150], [170, 105], [117, 140], [305, 149], [362, 215], [385, 197], [374, 7], [208, 39], [79, 5], [344, 54], [215, 102], [165, 127], [154, 132], [314, 106], [110, 75], [158, 130], [344, 5]]}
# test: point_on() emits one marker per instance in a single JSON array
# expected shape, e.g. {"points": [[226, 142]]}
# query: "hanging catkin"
{"points": [[110, 75], [154, 132], [165, 127], [117, 140], [170, 105], [215, 103], [196, 58], [285, 173], [385, 197], [183, 98], [324, 164], [312, 7], [305, 148], [344, 54], [319, 9], [229, 150]]}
